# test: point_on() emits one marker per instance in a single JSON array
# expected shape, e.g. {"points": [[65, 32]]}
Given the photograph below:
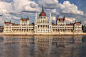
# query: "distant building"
{"points": [[1, 28], [43, 26], [84, 28]]}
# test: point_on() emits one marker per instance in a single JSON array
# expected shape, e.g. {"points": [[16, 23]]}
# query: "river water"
{"points": [[43, 46]]}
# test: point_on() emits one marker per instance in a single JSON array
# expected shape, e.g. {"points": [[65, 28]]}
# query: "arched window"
{"points": [[46, 25]]}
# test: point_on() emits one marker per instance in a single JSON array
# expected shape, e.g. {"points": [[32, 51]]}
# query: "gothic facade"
{"points": [[43, 26]]}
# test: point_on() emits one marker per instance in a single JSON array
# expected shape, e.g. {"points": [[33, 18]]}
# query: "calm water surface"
{"points": [[43, 46]]}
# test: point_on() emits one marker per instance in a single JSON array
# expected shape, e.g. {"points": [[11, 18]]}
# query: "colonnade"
{"points": [[22, 30], [62, 30], [43, 26]]}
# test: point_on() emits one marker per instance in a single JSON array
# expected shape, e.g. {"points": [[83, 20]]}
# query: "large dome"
{"points": [[42, 13]]}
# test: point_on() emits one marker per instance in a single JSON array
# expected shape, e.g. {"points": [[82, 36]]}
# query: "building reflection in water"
{"points": [[37, 46]]}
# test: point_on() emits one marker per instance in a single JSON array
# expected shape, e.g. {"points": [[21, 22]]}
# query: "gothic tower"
{"points": [[35, 26]]}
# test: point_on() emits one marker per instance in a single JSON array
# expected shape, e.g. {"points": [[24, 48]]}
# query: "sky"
{"points": [[15, 9]]}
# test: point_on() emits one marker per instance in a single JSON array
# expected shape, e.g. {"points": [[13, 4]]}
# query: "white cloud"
{"points": [[49, 4], [25, 5], [1, 13], [28, 8], [68, 20], [32, 5], [53, 18], [54, 10], [7, 16], [66, 7], [6, 20], [5, 7], [15, 12], [1, 21], [60, 17], [14, 17], [84, 22], [12, 20]]}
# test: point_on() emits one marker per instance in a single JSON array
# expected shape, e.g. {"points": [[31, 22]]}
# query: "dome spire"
{"points": [[42, 13], [42, 9], [64, 16]]}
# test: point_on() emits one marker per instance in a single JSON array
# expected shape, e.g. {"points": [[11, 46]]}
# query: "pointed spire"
{"points": [[80, 21], [75, 21], [27, 17], [42, 9], [64, 16], [21, 17], [36, 18], [50, 14], [36, 15], [50, 18], [10, 21], [58, 16]]}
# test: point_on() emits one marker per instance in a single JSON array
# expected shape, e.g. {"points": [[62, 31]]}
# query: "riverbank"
{"points": [[25, 34]]}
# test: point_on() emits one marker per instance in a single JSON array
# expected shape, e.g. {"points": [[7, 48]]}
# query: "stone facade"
{"points": [[43, 26], [1, 28]]}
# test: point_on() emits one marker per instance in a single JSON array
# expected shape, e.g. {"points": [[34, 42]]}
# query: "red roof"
{"points": [[42, 14], [7, 23], [57, 18], [69, 24], [61, 19], [53, 24], [24, 19], [32, 24], [15, 24], [77, 23], [64, 18]]}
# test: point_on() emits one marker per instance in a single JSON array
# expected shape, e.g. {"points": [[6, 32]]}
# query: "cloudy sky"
{"points": [[14, 9]]}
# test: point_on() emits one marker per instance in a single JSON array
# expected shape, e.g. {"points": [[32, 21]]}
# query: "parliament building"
{"points": [[43, 26]]}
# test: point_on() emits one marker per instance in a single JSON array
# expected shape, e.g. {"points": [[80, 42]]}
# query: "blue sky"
{"points": [[14, 9]]}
